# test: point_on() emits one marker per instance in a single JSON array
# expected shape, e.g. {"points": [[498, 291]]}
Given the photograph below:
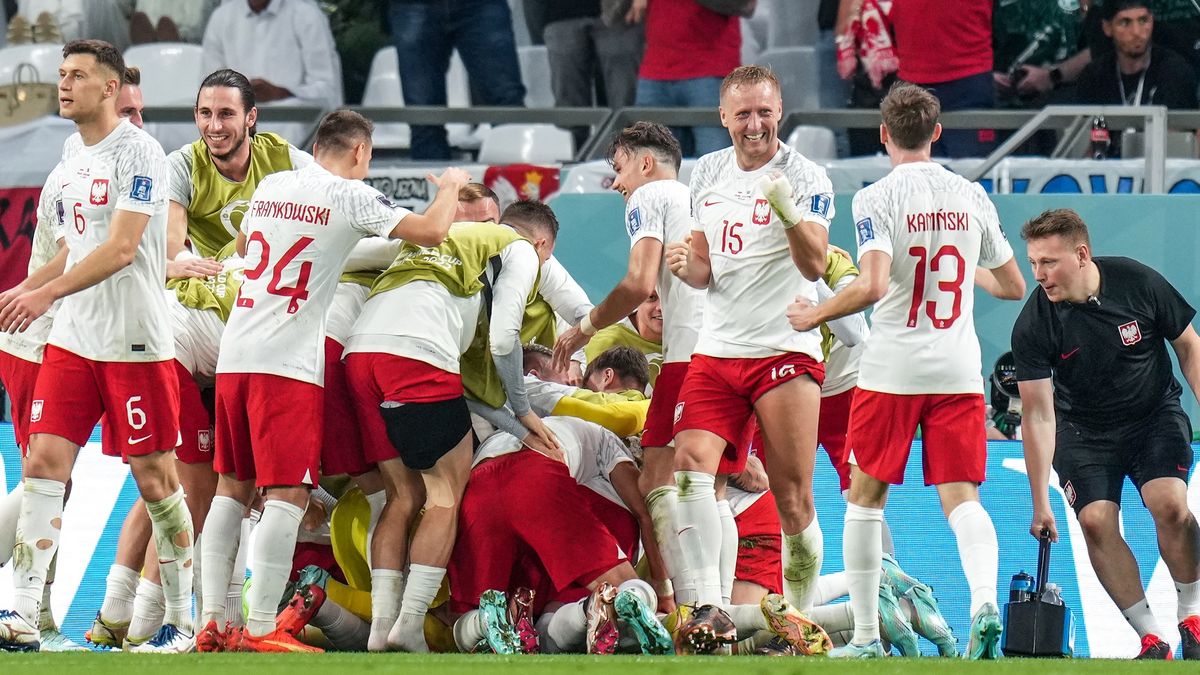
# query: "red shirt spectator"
{"points": [[942, 40], [686, 41]]}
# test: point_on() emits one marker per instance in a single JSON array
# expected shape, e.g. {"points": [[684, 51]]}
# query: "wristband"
{"points": [[585, 325], [186, 254], [1056, 77], [662, 587]]}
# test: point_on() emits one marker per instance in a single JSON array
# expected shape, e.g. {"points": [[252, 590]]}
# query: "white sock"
{"points": [[173, 538], [344, 630], [802, 556], [468, 631], [862, 550], [642, 589], [386, 589], [1141, 617], [830, 587], [699, 525], [1189, 600], [376, 501], [10, 511], [885, 533], [979, 551], [833, 618], [197, 580], [149, 610], [663, 504], [420, 589], [567, 627], [237, 578], [729, 549], [46, 615], [747, 618], [120, 589], [38, 530], [271, 559], [224, 516]]}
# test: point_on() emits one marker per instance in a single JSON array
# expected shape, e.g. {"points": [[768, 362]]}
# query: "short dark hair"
{"points": [[536, 357], [341, 130], [106, 55], [910, 113], [133, 76], [473, 192], [1113, 7], [531, 217], [628, 363], [746, 75], [227, 77], [1065, 223], [649, 136]]}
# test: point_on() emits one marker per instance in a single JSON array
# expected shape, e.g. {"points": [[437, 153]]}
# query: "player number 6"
{"points": [[137, 418]]}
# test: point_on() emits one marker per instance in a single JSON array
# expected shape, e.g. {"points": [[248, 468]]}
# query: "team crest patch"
{"points": [[387, 202], [1069, 492], [142, 189], [204, 440], [678, 411], [635, 220], [820, 205], [35, 411], [866, 231], [762, 212], [1131, 334], [99, 196]]}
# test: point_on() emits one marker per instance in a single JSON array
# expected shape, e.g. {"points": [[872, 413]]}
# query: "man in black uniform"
{"points": [[1090, 345]]}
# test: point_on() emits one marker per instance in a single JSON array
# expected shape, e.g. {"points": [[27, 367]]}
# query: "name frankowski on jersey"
{"points": [[305, 213]]}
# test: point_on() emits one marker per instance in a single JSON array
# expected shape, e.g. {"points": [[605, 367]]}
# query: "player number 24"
{"points": [[297, 293], [953, 286]]}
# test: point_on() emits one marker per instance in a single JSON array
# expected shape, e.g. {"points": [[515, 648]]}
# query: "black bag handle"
{"points": [[1043, 565]]}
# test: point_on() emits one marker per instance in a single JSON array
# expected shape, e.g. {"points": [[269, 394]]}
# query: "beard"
{"points": [[237, 145]]}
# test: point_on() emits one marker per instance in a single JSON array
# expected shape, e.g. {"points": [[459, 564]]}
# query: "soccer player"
{"points": [[442, 323], [1101, 404], [646, 159], [618, 403], [109, 351], [762, 217], [922, 231], [642, 330], [300, 228]]}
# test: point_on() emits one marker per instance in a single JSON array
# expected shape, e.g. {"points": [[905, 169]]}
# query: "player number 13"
{"points": [[953, 286]]}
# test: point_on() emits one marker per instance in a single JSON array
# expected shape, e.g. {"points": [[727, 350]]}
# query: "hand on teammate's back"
{"points": [[540, 438], [194, 267], [567, 344]]}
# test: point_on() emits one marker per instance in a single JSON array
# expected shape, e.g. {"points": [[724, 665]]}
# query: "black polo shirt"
{"points": [[1107, 357]]}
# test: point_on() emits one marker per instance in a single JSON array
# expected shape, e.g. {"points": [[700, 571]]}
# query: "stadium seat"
{"points": [[383, 90], [752, 42], [790, 23], [815, 143], [535, 73], [171, 71], [526, 144], [799, 76], [44, 58]]}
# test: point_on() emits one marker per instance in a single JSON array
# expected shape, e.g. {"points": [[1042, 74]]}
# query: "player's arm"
{"points": [[808, 241], [624, 418], [1004, 282], [624, 479], [1187, 349], [688, 260], [17, 316], [1038, 427], [874, 274], [850, 329], [430, 228], [565, 296], [240, 244], [181, 262], [638, 283]]}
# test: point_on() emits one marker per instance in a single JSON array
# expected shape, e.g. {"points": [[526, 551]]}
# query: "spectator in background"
{"points": [[427, 32], [169, 20], [946, 46], [283, 46], [866, 56], [593, 54], [1136, 72], [1177, 27], [359, 31], [60, 21], [1028, 34], [689, 50]]}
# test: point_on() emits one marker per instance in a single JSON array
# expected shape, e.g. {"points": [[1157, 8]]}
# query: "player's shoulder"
{"points": [[137, 142], [1127, 270], [710, 168], [794, 163]]}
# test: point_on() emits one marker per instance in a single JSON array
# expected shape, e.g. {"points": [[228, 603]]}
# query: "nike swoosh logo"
{"points": [[135, 441], [1069, 354], [708, 203]]}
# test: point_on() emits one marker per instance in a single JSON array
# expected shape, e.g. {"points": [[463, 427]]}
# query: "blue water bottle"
{"points": [[1021, 588]]}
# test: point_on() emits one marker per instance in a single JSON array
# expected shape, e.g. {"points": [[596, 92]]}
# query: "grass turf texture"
{"points": [[473, 664]]}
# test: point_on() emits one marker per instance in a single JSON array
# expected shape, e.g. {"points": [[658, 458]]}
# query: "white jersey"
{"points": [[937, 227], [124, 317], [197, 338], [300, 228], [31, 342], [348, 302], [753, 276], [662, 210], [592, 452]]}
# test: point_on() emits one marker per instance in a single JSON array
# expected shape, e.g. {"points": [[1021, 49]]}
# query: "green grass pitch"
{"points": [[464, 664]]}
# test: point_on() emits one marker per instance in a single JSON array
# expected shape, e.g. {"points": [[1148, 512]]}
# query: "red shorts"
{"points": [[268, 429], [19, 376], [718, 395], [759, 545], [660, 419], [141, 401], [953, 439], [831, 432], [342, 445], [520, 505], [375, 377], [195, 424]]}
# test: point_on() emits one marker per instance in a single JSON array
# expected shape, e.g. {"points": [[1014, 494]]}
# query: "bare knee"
{"points": [[1173, 514], [1099, 522]]}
